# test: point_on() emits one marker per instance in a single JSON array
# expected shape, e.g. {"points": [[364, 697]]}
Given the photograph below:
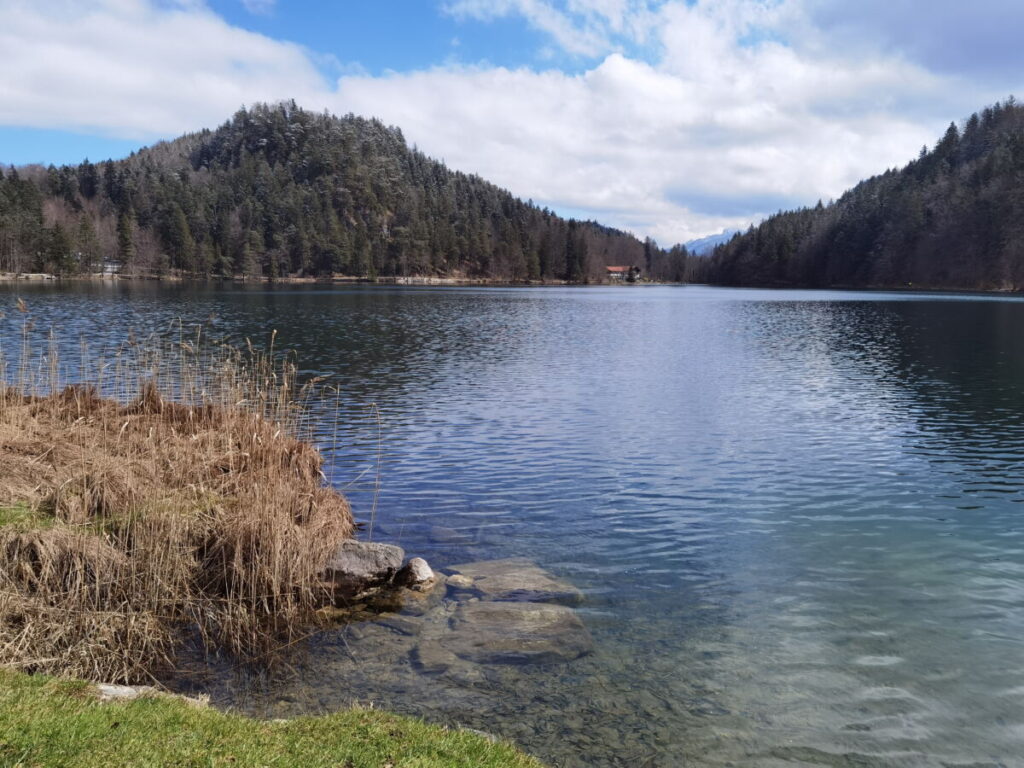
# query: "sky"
{"points": [[672, 119]]}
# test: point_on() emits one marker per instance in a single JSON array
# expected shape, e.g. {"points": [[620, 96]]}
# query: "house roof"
{"points": [[617, 270]]}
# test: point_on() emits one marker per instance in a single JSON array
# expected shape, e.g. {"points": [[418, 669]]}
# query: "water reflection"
{"points": [[795, 515]]}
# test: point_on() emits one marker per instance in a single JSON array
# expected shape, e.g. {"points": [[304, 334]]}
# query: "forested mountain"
{"points": [[952, 218], [278, 191]]}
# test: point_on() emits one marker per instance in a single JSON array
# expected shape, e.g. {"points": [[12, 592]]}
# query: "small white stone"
{"points": [[420, 570], [416, 575]]}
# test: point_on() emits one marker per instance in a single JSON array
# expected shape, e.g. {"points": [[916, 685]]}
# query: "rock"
{"points": [[518, 579], [406, 625], [386, 599], [359, 565], [421, 603], [441, 535], [430, 596], [464, 674], [460, 582], [516, 633], [433, 659], [416, 574], [110, 692]]}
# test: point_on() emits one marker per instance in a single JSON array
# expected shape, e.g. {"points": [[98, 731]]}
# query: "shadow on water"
{"points": [[794, 515]]}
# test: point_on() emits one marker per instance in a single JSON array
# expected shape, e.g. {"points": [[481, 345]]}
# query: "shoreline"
{"points": [[60, 722], [417, 280], [414, 280], [39, 277], [111, 511]]}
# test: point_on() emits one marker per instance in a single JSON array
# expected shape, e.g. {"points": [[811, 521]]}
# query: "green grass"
{"points": [[50, 722], [23, 517]]}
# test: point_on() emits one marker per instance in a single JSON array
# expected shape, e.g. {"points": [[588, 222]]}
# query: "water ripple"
{"points": [[795, 515]]}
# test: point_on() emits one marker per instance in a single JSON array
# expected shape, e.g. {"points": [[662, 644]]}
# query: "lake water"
{"points": [[796, 516]]}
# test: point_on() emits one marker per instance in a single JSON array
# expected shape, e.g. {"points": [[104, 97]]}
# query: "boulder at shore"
{"points": [[518, 580], [356, 566]]}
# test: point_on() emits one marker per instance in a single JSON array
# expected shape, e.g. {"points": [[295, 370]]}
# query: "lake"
{"points": [[795, 515]]}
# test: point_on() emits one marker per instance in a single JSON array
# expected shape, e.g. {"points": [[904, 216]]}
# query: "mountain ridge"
{"points": [[279, 191]]}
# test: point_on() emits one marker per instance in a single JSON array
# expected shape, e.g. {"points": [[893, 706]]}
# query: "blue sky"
{"points": [[380, 36], [670, 118]]}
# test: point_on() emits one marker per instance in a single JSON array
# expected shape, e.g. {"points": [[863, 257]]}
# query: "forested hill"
{"points": [[281, 191], [953, 218]]}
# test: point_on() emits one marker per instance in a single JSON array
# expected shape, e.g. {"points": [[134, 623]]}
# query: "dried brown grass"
{"points": [[187, 509]]}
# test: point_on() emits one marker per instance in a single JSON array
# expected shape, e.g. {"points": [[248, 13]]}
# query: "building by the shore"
{"points": [[623, 274]]}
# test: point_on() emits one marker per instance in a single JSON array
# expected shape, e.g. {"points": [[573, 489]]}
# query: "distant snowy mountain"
{"points": [[705, 245]]}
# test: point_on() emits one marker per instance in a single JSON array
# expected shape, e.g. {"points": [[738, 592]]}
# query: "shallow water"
{"points": [[795, 515]]}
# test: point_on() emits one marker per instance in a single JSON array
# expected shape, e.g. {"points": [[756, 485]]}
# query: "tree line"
{"points": [[952, 218], [280, 191]]}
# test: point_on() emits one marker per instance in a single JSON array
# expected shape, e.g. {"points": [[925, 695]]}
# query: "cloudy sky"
{"points": [[669, 118]]}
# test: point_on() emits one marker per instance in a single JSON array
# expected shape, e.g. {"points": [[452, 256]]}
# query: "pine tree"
{"points": [[87, 244], [126, 240]]}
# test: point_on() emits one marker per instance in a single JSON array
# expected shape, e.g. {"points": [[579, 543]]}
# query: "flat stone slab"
{"points": [[513, 633], [518, 580], [111, 692]]}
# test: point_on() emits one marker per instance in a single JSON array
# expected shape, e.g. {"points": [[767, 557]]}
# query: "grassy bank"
{"points": [[49, 722]]}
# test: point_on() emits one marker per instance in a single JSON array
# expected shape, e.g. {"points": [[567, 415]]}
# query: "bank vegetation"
{"points": [[168, 500]]}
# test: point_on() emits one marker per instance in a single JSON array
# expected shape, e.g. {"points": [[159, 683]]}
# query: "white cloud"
{"points": [[259, 7], [742, 107], [578, 39], [131, 68], [589, 28], [715, 134]]}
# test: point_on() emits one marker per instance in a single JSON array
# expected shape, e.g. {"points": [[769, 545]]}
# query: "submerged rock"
{"points": [[433, 659], [406, 625], [359, 565], [515, 633], [517, 579], [459, 581], [441, 535], [506, 633]]}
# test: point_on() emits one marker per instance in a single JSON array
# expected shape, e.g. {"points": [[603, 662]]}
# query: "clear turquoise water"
{"points": [[796, 515]]}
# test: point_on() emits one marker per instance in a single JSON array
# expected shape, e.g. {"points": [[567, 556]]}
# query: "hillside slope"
{"points": [[951, 219], [278, 191]]}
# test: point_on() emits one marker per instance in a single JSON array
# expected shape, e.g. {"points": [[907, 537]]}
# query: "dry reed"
{"points": [[167, 496]]}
